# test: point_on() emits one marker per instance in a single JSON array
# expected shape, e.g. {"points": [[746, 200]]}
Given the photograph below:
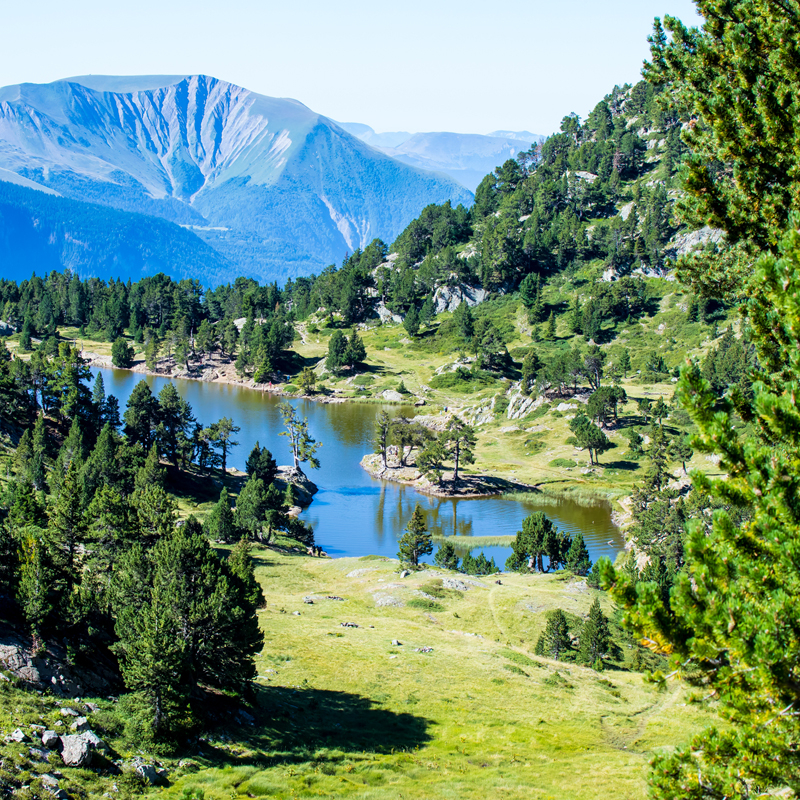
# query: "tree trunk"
{"points": [[457, 455]]}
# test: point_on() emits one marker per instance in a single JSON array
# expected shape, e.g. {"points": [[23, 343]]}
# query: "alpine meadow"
{"points": [[503, 502]]}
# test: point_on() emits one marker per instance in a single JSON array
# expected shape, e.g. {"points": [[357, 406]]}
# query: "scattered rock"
{"points": [[51, 740], [348, 624], [76, 751], [423, 650], [295, 613], [392, 396], [334, 597], [39, 754], [396, 643], [92, 707], [308, 601], [449, 298], [80, 724], [38, 728], [499, 582], [386, 600], [405, 573], [454, 583], [357, 573], [68, 712], [95, 742], [17, 735], [424, 595]]}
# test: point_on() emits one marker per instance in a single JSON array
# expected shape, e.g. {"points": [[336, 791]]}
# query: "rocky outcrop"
{"points": [[303, 487], [52, 669], [685, 243], [449, 298]]}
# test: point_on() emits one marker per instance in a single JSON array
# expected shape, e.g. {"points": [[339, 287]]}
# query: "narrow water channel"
{"points": [[353, 514]]}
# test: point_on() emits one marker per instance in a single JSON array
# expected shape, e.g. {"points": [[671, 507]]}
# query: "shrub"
{"points": [[563, 463], [423, 604]]}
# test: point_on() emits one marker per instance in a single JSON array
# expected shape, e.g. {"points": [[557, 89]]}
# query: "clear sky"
{"points": [[415, 65]]}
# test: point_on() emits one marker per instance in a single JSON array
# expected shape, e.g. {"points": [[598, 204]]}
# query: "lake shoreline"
{"points": [[469, 486]]}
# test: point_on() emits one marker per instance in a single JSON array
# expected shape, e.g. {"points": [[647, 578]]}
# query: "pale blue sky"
{"points": [[416, 65]]}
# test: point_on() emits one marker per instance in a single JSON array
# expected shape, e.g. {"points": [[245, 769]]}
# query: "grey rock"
{"points": [[455, 583], [76, 751], [96, 742], [17, 735], [80, 724], [396, 643], [147, 772], [405, 573], [449, 298], [38, 728], [39, 754], [68, 712], [92, 707], [51, 740], [49, 780]]}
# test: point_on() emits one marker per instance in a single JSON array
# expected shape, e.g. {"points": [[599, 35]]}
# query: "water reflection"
{"points": [[353, 514]]}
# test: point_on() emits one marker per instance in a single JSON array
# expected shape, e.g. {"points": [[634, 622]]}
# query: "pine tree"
{"points": [[240, 564], [66, 531], [303, 446], [458, 440], [595, 638], [156, 514], [446, 556], [102, 468], [578, 560], [416, 541], [554, 642], [251, 508], [220, 524], [36, 468], [730, 616], [531, 544], [151, 473], [411, 322], [261, 464], [36, 579], [383, 427]]}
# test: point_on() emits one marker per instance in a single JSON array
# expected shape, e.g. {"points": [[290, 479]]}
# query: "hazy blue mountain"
{"points": [[466, 157], [273, 187], [40, 232], [368, 135], [520, 136]]}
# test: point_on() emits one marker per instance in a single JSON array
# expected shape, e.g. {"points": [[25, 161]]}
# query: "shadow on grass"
{"points": [[292, 723], [624, 465]]}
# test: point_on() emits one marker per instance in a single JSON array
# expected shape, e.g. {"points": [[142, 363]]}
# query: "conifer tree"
{"points": [[554, 641], [220, 524], [151, 472], [261, 464], [156, 514], [446, 556], [36, 468], [416, 541], [34, 591], [66, 531], [458, 440], [101, 467], [577, 559], [240, 564], [303, 446], [383, 428], [595, 638], [251, 508]]}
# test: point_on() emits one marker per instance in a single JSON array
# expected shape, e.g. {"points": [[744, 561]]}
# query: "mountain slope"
{"points": [[42, 232], [265, 172]]}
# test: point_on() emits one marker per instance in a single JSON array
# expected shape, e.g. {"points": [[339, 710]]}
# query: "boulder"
{"points": [[392, 396], [17, 735], [148, 773], [96, 742], [51, 740], [76, 751], [39, 754], [449, 298], [80, 724]]}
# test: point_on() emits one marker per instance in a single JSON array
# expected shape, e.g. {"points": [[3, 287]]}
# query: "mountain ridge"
{"points": [[275, 187]]}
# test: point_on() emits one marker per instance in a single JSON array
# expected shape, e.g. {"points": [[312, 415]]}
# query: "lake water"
{"points": [[353, 514]]}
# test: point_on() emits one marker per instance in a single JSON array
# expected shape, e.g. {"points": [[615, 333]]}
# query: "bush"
{"points": [[423, 604], [291, 388], [563, 463], [462, 380], [364, 380]]}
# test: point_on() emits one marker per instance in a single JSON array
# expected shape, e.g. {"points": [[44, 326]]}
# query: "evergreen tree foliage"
{"points": [[538, 539], [595, 639], [554, 641], [416, 541], [251, 508], [577, 558], [303, 446], [220, 524], [446, 556], [261, 464], [151, 473], [729, 616]]}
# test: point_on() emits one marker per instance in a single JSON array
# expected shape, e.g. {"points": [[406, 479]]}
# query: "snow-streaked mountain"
{"points": [[465, 157], [274, 187]]}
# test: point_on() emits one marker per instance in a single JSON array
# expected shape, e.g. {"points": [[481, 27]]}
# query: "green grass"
{"points": [[351, 715]]}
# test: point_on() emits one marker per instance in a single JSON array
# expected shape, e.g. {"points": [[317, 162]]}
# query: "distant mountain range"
{"points": [[466, 157], [223, 181]]}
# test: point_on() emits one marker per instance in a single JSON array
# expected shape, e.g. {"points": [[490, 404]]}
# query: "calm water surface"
{"points": [[353, 514]]}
